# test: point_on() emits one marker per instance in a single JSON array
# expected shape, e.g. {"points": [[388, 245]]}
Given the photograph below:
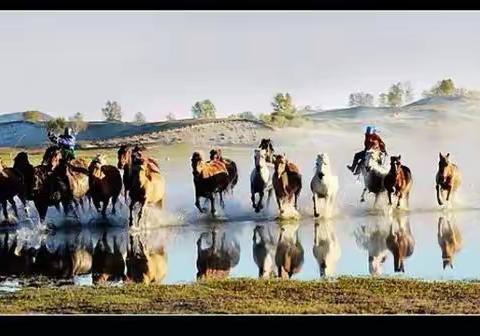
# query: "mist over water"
{"points": [[180, 225]]}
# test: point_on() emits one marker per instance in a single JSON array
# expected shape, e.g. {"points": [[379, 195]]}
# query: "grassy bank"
{"points": [[242, 296]]}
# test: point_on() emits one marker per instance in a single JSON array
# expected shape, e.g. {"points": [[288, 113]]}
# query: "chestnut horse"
{"points": [[105, 184], [209, 178], [145, 265], [147, 185], [448, 178], [287, 182], [398, 181]]}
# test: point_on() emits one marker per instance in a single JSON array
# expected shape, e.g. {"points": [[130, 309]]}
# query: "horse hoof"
{"points": [[362, 200], [316, 215], [257, 210]]}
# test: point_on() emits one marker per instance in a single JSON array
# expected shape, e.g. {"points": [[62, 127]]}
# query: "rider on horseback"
{"points": [[66, 142], [372, 140]]}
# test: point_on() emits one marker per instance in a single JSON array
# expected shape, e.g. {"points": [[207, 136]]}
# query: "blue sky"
{"points": [[162, 62]]}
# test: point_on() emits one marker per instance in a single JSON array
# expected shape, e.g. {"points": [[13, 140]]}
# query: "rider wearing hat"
{"points": [[372, 140], [66, 142]]}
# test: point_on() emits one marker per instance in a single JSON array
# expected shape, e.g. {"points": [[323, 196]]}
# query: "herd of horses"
{"points": [[56, 182]]}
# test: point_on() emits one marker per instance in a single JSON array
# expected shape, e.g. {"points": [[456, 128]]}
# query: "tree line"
{"points": [[284, 112]]}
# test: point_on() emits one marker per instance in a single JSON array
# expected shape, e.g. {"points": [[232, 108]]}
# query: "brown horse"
{"points": [[105, 184], [398, 181], [266, 144], [216, 154], [449, 239], [216, 261], [401, 243], [209, 178], [287, 182], [448, 178], [12, 184], [147, 185], [289, 256], [145, 265]]}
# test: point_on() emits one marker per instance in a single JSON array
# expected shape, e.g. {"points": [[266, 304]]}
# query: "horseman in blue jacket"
{"points": [[66, 142]]}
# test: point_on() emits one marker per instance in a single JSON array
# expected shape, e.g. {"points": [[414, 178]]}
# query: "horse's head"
{"points": [[395, 162], [216, 154], [322, 163], [97, 162], [52, 157], [21, 160], [197, 159], [280, 164], [266, 144], [443, 163], [124, 156], [372, 158]]}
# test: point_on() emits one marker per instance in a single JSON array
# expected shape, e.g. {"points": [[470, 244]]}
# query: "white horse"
{"points": [[326, 248], [374, 173], [264, 248], [372, 237], [261, 179], [324, 184]]}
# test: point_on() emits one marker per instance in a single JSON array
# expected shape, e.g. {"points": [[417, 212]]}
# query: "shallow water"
{"points": [[354, 226]]}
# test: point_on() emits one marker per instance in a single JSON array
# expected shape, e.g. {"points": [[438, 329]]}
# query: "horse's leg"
{"points": [[296, 199], [222, 203], [14, 206], [104, 208], [279, 202], [362, 198], [140, 213], [160, 204], [212, 203], [114, 203], [439, 196], [315, 211], [5, 212], [269, 196], [259, 204], [449, 191], [400, 195], [252, 198], [389, 193], [197, 203], [130, 222]]}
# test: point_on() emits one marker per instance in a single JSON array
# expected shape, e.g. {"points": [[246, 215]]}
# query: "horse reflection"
{"points": [[64, 256], [326, 247], [109, 259], [372, 237], [15, 258], [145, 264], [264, 246], [449, 239], [289, 256], [217, 260], [400, 241]]}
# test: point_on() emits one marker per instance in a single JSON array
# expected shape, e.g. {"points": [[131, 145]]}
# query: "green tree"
{"points": [[56, 125], [244, 115], [139, 118], [383, 99], [283, 106], [112, 111], [32, 116], [204, 110], [395, 95], [171, 117], [77, 122], [443, 88]]}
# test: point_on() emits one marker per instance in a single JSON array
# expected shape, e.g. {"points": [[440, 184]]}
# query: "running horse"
{"points": [[12, 183], [287, 182], [261, 179], [209, 178], [398, 181], [373, 174], [448, 178]]}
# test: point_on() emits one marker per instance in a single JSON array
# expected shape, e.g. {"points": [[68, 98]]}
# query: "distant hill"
{"points": [[19, 116]]}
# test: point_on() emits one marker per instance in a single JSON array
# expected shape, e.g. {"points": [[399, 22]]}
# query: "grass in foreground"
{"points": [[242, 296]]}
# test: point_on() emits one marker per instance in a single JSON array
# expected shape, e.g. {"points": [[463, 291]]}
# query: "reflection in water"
{"points": [[216, 260], [326, 248], [109, 258], [372, 237], [145, 263], [449, 239], [15, 259], [289, 256], [264, 246], [400, 241]]}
